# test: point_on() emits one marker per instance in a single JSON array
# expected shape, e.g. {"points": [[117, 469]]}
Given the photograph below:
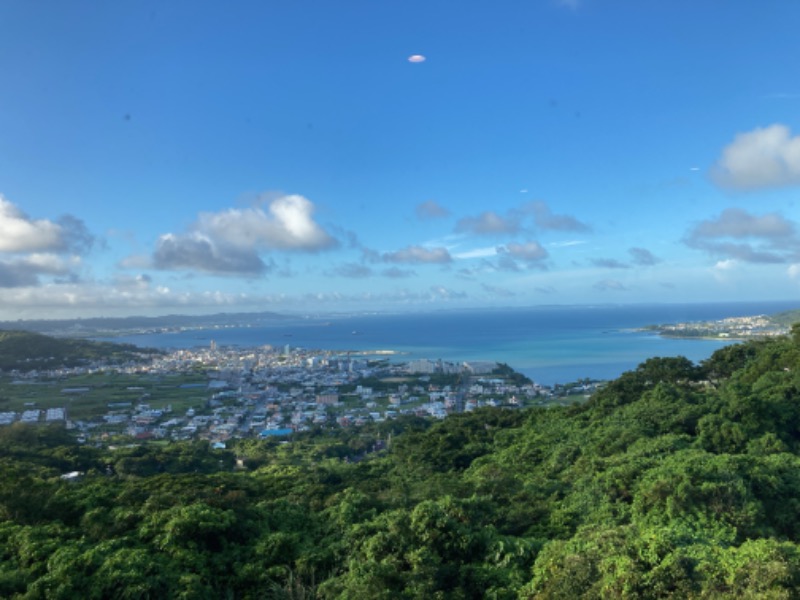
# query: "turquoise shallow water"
{"points": [[548, 344]]}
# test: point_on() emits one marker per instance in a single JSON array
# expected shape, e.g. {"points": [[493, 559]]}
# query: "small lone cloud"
{"points": [[546, 219], [608, 263], [418, 255], [762, 158], [417, 58], [500, 292], [430, 209], [488, 223], [643, 257]]}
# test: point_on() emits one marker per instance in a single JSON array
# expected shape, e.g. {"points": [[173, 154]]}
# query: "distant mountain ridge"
{"points": [[120, 325]]}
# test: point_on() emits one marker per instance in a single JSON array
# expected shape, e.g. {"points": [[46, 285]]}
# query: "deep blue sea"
{"points": [[553, 344]]}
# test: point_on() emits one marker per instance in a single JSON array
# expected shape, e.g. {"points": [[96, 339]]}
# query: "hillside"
{"points": [[675, 481], [25, 351], [786, 319]]}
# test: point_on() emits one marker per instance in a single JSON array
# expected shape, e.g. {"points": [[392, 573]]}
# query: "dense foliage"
{"points": [[675, 481], [26, 351]]}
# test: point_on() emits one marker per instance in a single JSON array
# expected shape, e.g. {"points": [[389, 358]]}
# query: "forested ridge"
{"points": [[26, 351], [674, 481]]}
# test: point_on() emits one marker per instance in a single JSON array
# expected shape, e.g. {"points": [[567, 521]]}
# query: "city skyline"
{"points": [[294, 157]]}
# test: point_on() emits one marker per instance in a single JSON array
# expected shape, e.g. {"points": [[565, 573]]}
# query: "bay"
{"points": [[549, 344]]}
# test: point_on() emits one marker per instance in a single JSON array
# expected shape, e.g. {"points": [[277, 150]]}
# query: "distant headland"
{"points": [[735, 328]]}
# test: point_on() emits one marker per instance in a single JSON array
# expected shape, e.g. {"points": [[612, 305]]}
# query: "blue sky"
{"points": [[193, 157]]}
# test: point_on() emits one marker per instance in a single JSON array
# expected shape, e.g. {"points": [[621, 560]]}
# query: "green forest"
{"points": [[676, 480], [26, 351]]}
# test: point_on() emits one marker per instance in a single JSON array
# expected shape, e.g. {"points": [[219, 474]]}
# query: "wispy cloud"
{"points": [[548, 290], [497, 291], [397, 273], [609, 263], [476, 253], [610, 285], [567, 243], [352, 271]]}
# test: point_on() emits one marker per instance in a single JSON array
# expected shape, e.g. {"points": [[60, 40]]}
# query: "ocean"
{"points": [[549, 344]]}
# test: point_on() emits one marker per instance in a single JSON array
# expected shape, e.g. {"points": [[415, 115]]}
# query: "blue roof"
{"points": [[268, 432]]}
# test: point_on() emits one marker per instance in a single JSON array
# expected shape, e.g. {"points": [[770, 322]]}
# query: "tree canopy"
{"points": [[674, 481]]}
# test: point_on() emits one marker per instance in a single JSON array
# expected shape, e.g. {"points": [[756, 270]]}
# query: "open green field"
{"points": [[88, 396]]}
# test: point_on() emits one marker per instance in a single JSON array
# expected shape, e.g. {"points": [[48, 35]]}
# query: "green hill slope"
{"points": [[25, 351], [675, 481]]}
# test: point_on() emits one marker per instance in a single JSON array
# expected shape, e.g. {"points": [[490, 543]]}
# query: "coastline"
{"points": [[550, 345]]}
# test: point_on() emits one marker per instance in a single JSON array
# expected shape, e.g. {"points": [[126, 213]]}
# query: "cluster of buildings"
{"points": [[732, 327], [33, 415], [262, 392]]}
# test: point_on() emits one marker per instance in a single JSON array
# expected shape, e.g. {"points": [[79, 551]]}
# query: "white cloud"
{"points": [[726, 265], [724, 270], [794, 271], [19, 233], [288, 224], [764, 157], [229, 242], [51, 263]]}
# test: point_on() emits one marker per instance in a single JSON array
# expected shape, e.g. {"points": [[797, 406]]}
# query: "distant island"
{"points": [[737, 328]]}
